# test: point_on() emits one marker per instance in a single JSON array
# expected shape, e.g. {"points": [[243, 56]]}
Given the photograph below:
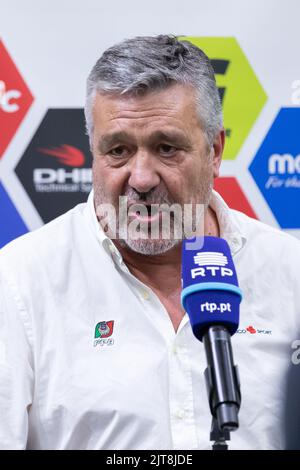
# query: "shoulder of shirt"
{"points": [[38, 245], [258, 232]]}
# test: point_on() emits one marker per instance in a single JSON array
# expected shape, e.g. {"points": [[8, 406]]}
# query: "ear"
{"points": [[217, 151]]}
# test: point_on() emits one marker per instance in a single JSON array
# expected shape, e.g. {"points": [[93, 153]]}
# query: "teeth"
{"points": [[152, 209]]}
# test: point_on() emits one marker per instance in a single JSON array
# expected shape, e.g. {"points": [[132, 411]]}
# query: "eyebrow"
{"points": [[173, 137], [107, 141]]}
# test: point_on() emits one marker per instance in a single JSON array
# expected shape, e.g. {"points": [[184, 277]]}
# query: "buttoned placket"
{"points": [[181, 404]]}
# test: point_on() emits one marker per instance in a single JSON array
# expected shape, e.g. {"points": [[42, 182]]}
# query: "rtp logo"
{"points": [[241, 93], [212, 263], [276, 168]]}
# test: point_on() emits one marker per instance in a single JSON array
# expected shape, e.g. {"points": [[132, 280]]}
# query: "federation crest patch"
{"points": [[104, 329]]}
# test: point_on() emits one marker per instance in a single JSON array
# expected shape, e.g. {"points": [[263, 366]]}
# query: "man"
{"points": [[97, 351]]}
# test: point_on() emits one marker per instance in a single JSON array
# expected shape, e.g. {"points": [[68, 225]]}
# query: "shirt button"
{"points": [[145, 294], [180, 414], [174, 349]]}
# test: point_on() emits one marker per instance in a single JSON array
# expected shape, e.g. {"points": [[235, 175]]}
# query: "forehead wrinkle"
{"points": [[165, 104], [126, 125], [124, 109], [138, 114], [138, 117]]}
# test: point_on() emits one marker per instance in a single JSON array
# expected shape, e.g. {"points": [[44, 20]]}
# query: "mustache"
{"points": [[154, 196]]}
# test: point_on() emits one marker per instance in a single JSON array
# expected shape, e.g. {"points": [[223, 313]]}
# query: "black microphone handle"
{"points": [[222, 380]]}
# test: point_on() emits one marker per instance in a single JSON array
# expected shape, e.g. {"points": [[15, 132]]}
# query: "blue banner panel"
{"points": [[11, 224], [276, 168]]}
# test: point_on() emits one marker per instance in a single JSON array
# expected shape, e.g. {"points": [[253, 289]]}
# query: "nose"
{"points": [[143, 174]]}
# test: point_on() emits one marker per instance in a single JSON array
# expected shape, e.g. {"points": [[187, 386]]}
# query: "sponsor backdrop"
{"points": [[47, 50]]}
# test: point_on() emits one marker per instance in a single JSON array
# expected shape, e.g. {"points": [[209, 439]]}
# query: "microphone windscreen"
{"points": [[211, 294]]}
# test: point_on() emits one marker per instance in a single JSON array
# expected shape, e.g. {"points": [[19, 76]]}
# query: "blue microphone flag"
{"points": [[211, 294]]}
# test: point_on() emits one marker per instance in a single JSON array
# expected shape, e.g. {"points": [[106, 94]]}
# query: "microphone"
{"points": [[211, 296]]}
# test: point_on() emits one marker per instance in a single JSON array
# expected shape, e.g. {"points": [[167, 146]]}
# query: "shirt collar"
{"points": [[103, 239], [229, 229]]}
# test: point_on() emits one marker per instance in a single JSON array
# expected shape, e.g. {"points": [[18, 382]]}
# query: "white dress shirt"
{"points": [[141, 386]]}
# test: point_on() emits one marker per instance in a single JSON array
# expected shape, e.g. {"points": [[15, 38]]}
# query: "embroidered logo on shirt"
{"points": [[103, 330], [253, 331]]}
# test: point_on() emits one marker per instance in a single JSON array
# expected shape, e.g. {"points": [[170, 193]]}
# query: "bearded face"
{"points": [[151, 151]]}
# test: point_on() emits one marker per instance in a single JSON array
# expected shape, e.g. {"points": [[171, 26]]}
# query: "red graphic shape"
{"points": [[233, 195], [15, 99], [251, 330], [66, 154]]}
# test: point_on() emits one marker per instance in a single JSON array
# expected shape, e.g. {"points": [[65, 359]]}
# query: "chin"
{"points": [[149, 247]]}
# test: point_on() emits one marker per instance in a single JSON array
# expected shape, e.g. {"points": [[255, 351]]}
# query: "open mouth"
{"points": [[144, 212], [141, 212]]}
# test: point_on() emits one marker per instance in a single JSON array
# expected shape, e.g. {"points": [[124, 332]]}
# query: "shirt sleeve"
{"points": [[16, 368]]}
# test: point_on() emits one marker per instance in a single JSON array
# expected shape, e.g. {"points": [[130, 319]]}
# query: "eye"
{"points": [[119, 152], [166, 149]]}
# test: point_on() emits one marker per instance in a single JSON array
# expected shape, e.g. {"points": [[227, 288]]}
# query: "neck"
{"points": [[162, 273]]}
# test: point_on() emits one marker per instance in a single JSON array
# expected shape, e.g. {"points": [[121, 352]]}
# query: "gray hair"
{"points": [[144, 64]]}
